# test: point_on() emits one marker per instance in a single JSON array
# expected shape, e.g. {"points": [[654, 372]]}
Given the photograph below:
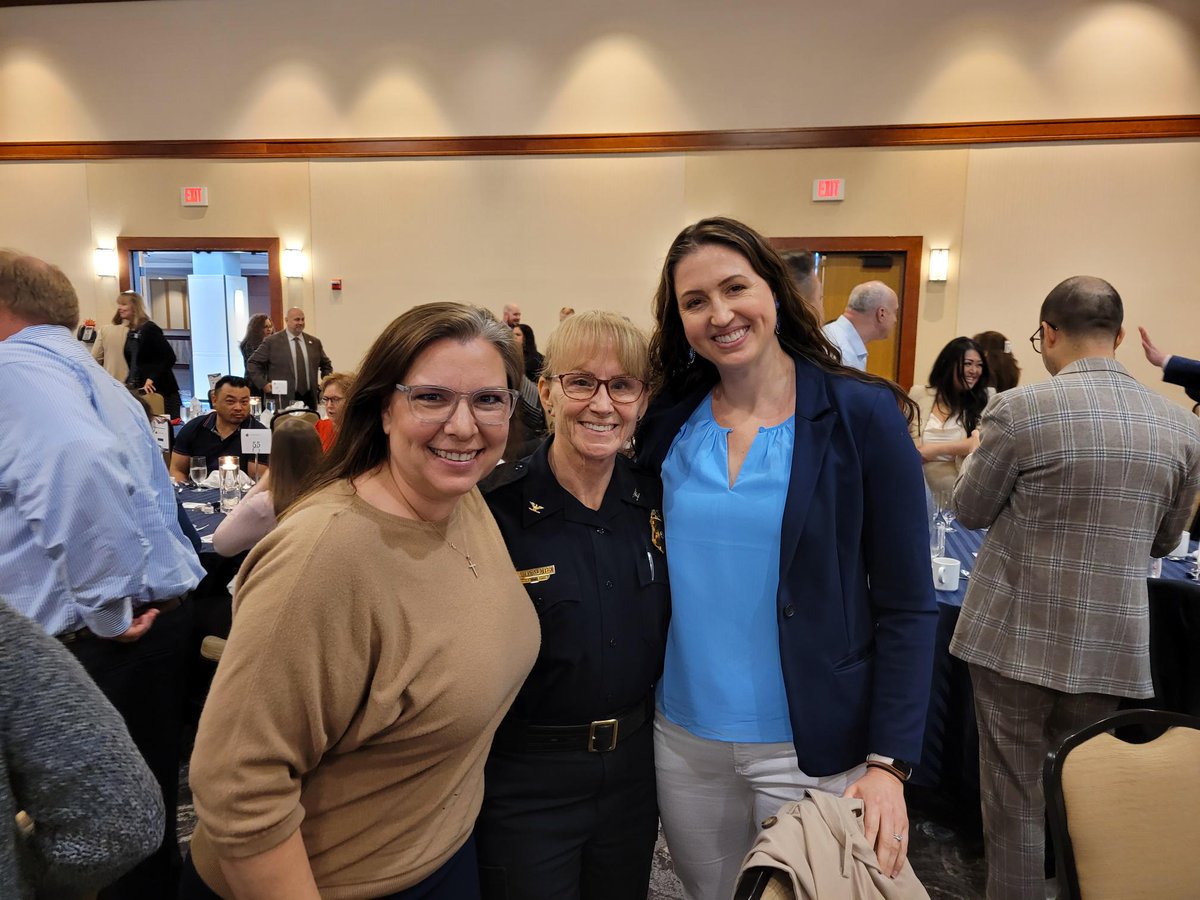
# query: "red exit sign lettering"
{"points": [[193, 196], [829, 189]]}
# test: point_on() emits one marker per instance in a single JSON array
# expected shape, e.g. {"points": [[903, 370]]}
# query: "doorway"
{"points": [[843, 262], [201, 292]]}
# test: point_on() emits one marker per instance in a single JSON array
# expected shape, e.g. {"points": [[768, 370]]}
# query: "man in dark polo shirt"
{"points": [[218, 433]]}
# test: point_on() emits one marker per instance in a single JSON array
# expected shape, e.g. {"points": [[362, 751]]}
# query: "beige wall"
{"points": [[544, 233], [246, 199], [1127, 213], [591, 232], [314, 68]]}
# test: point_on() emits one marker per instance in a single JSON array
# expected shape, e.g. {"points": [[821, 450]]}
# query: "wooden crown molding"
{"points": [[945, 134]]}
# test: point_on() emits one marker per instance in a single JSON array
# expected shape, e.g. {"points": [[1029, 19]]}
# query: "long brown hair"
{"points": [[295, 452], [800, 333], [362, 445], [256, 332]]}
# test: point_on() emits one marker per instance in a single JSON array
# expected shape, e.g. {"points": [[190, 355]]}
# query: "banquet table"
{"points": [[211, 601], [950, 758]]}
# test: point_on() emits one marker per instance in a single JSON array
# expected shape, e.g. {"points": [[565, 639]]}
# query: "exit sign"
{"points": [[829, 189], [193, 196]]}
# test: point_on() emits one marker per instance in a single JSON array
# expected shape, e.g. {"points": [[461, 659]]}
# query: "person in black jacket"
{"points": [[569, 805], [150, 357]]}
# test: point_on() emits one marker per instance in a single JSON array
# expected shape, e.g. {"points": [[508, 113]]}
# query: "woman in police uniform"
{"points": [[569, 807]]}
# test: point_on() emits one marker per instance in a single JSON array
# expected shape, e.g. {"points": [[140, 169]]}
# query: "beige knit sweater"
{"points": [[357, 697]]}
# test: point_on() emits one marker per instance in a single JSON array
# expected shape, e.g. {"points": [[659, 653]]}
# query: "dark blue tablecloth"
{"points": [[950, 757]]}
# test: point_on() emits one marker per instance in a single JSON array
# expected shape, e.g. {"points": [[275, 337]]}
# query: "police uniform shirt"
{"points": [[598, 581]]}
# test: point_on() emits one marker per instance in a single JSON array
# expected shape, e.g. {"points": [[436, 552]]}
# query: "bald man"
{"points": [[871, 315], [293, 356]]}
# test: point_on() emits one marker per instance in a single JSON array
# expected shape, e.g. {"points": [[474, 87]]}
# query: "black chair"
{"points": [[1122, 814]]}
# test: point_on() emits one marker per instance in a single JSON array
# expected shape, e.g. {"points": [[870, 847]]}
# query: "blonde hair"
{"points": [[585, 334], [140, 317]]}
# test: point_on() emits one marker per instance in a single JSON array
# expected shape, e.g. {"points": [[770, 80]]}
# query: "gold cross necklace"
{"points": [[420, 518]]}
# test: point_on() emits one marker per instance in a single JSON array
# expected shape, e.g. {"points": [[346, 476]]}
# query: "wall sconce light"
{"points": [[293, 263], [939, 264], [104, 259]]}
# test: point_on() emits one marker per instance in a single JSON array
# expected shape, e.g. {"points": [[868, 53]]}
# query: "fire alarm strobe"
{"points": [[336, 284]]}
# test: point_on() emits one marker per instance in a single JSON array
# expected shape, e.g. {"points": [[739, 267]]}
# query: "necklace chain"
{"points": [[444, 535]]}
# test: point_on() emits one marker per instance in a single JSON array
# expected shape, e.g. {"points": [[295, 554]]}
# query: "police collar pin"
{"points": [[535, 507]]}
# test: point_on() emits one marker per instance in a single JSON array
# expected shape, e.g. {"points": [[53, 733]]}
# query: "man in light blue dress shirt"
{"points": [[90, 544], [870, 315]]}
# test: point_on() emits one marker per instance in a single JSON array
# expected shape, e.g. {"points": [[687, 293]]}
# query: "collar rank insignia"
{"points": [[637, 495], [535, 507]]}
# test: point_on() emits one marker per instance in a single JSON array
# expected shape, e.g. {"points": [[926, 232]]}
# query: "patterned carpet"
{"points": [[948, 864]]}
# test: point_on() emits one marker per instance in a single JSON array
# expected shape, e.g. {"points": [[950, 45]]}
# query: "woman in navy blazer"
{"points": [[854, 614]]}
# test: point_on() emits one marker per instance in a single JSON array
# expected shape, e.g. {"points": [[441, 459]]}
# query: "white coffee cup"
{"points": [[946, 571], [1185, 546]]}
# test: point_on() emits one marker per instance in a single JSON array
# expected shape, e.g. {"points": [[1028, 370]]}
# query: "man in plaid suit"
{"points": [[1081, 479]]}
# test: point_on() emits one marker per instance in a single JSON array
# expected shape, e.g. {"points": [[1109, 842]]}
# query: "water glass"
{"points": [[937, 539], [198, 470]]}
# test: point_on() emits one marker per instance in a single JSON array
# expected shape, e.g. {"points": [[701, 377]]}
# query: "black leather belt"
{"points": [[84, 634], [600, 736]]}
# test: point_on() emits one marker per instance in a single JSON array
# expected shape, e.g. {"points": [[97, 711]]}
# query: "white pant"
{"points": [[713, 795]]}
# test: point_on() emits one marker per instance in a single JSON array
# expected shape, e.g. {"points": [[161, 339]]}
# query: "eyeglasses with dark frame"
{"points": [[1038, 336], [436, 405], [583, 386]]}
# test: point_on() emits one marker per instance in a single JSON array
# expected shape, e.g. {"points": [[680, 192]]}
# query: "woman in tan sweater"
{"points": [[380, 636]]}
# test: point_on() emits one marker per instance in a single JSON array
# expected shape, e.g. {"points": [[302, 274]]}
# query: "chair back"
{"points": [[1122, 815], [157, 405], [763, 883]]}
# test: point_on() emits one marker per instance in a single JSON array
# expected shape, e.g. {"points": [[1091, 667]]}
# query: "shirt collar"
{"points": [[853, 338], [544, 496]]}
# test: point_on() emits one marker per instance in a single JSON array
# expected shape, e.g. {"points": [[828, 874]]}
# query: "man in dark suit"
{"points": [[292, 356], [1080, 480], [1176, 369]]}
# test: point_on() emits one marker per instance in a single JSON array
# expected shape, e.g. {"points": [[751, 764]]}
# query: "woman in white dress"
{"points": [[951, 405]]}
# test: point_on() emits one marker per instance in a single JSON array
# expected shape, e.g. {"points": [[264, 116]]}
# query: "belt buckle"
{"points": [[602, 723]]}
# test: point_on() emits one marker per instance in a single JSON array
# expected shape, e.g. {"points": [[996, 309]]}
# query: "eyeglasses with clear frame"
{"points": [[583, 386], [436, 405], [1038, 336]]}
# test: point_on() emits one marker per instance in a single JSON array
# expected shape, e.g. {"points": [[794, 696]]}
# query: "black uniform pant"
{"points": [[146, 681], [569, 825]]}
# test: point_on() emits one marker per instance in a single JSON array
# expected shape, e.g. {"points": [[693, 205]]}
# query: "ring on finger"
{"points": [[898, 837]]}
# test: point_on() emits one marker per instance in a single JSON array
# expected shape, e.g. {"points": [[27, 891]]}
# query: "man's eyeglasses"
{"points": [[436, 405], [1036, 338], [582, 386]]}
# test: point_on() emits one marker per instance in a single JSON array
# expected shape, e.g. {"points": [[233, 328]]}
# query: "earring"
{"points": [[691, 355]]}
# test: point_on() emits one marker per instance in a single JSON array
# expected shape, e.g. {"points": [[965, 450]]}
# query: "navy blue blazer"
{"points": [[856, 609], [1186, 372]]}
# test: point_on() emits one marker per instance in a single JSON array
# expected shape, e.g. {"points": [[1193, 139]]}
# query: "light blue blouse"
{"points": [[722, 678]]}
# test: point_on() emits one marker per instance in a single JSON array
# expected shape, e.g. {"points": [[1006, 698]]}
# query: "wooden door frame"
{"points": [[269, 246], [913, 248]]}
